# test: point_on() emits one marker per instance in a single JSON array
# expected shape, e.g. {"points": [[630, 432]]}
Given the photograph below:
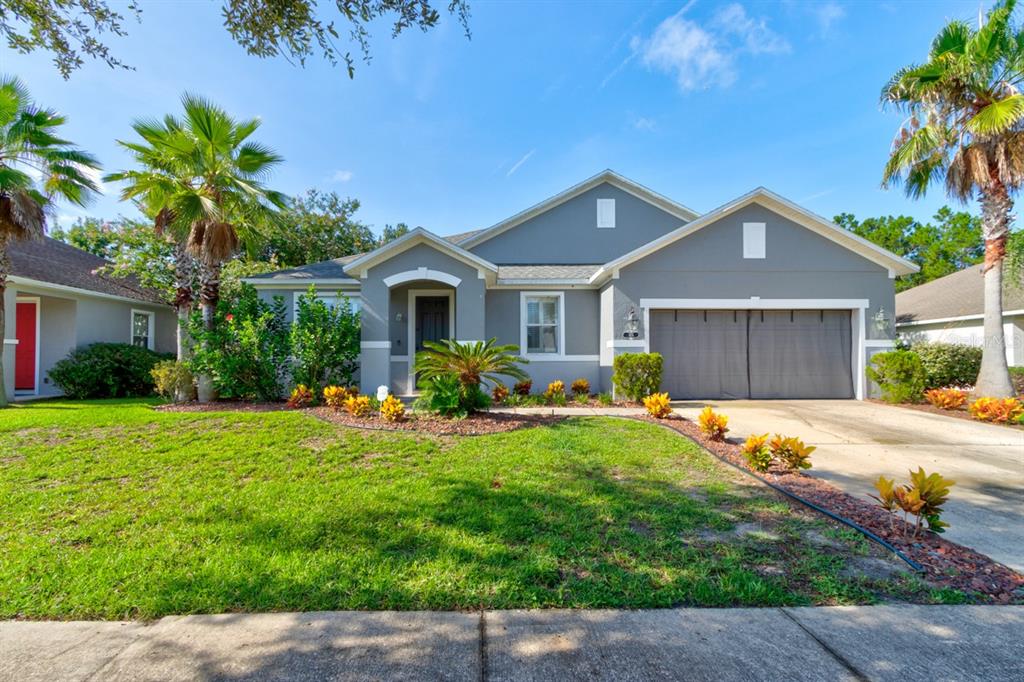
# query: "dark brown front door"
{"points": [[431, 319]]}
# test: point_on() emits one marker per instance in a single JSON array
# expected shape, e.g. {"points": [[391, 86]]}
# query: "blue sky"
{"points": [[701, 101]]}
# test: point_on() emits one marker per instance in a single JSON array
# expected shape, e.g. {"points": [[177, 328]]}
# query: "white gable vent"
{"points": [[606, 212], [753, 240]]}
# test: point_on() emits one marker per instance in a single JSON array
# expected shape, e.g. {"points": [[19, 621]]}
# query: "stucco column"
{"points": [[375, 343], [10, 334]]}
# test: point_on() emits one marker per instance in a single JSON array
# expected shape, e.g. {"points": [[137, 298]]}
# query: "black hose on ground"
{"points": [[807, 503]]}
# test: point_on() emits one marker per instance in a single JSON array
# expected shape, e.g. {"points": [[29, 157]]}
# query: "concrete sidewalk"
{"points": [[840, 643]]}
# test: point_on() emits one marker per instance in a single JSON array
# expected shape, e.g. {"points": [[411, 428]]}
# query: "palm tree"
{"points": [[29, 149], [203, 181], [471, 362], [965, 125]]}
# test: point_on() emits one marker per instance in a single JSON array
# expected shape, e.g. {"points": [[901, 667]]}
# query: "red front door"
{"points": [[25, 351]]}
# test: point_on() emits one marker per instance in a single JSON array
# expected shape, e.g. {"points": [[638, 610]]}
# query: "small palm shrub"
{"points": [[445, 395], [523, 387], [657, 405], [335, 396], [392, 409], [946, 398], [792, 452], [301, 396], [555, 388], [712, 425], [998, 410], [469, 364], [755, 450], [499, 394], [173, 380], [922, 499], [358, 405], [581, 386], [899, 375], [605, 399], [637, 374]]}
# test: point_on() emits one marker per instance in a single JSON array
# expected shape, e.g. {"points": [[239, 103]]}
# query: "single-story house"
{"points": [[951, 309], [56, 301], [758, 298]]}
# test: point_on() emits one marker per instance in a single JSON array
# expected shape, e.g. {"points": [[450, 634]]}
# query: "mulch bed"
{"points": [[946, 563], [478, 424], [960, 413]]}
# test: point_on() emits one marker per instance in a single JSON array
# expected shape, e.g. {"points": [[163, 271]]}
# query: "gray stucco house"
{"points": [[56, 301], [758, 298]]}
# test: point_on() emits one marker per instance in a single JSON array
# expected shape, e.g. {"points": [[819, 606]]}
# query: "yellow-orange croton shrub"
{"points": [[1000, 410], [657, 405], [392, 409], [712, 424], [946, 398]]}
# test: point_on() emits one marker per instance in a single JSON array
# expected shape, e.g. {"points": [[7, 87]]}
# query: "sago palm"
{"points": [[203, 180], [37, 168], [471, 362], [965, 126]]}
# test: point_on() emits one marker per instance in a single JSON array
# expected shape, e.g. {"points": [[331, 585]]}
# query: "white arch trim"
{"points": [[421, 273]]}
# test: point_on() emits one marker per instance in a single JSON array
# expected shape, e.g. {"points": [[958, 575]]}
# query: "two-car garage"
{"points": [[757, 354]]}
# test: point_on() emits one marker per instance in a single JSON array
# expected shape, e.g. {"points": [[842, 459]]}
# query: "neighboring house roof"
{"points": [[957, 295], [607, 176], [328, 271], [411, 239], [896, 264], [52, 262]]}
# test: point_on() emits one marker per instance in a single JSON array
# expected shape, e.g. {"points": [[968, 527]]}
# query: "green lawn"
{"points": [[113, 510]]}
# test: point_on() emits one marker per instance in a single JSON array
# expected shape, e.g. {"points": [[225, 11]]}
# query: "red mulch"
{"points": [[477, 424], [960, 413], [946, 563]]}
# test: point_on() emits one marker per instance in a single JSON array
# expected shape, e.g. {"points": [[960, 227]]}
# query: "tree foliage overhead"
{"points": [[317, 226], [951, 242], [294, 29]]}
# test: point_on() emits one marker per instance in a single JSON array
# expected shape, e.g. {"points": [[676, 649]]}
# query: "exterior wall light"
{"points": [[882, 322], [632, 327]]}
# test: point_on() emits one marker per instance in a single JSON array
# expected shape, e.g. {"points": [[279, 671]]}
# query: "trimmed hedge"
{"points": [[948, 364], [107, 370], [637, 375], [899, 374]]}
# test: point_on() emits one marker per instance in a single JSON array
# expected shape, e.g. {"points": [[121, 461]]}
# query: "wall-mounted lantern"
{"points": [[632, 327], [882, 322]]}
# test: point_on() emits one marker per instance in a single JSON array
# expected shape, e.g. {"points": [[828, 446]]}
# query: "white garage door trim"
{"points": [[856, 306]]}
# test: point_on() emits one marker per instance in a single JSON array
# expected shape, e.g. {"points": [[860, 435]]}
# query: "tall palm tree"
{"points": [[965, 125], [202, 179], [37, 168]]}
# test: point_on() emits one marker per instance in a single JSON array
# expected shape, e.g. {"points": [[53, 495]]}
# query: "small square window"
{"points": [[606, 213], [753, 240]]}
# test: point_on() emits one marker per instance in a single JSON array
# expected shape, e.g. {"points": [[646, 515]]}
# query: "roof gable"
{"points": [[359, 267], [607, 176], [787, 209]]}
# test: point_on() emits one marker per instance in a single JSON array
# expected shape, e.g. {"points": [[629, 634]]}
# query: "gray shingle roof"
{"points": [[546, 272], [958, 294], [55, 262]]}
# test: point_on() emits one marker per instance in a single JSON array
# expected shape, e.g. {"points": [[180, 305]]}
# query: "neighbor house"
{"points": [[758, 298], [951, 309], [57, 301]]}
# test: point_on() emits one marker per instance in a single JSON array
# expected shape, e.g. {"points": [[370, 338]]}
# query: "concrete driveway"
{"points": [[858, 441]]}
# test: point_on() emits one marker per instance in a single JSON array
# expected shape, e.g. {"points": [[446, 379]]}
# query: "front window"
{"points": [[543, 324], [142, 329]]}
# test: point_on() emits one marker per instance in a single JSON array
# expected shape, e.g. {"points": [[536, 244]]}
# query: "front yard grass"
{"points": [[113, 510]]}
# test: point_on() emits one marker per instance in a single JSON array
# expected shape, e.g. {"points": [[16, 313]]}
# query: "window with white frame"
{"points": [[606, 213], [333, 299], [142, 329], [542, 323], [753, 240]]}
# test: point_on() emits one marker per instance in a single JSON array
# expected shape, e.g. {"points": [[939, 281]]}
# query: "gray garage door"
{"points": [[734, 354]]}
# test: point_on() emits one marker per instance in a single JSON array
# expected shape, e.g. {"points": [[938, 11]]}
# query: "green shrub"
{"points": [[246, 352], [1017, 376], [324, 341], [637, 374], [948, 364], [445, 395], [106, 370], [899, 374], [605, 399], [173, 380]]}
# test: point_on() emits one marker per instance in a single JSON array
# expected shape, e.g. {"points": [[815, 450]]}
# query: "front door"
{"points": [[431, 319], [25, 351]]}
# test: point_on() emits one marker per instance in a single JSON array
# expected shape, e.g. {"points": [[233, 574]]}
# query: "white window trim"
{"points": [[606, 203], [326, 296], [755, 237], [39, 313], [410, 313], [150, 332], [560, 355]]}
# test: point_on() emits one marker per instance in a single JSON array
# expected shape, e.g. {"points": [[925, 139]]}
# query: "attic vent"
{"points": [[753, 240], [606, 212]]}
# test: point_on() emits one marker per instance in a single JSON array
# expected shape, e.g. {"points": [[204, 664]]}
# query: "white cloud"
{"points": [[705, 56], [342, 176], [644, 123], [827, 14], [520, 162]]}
